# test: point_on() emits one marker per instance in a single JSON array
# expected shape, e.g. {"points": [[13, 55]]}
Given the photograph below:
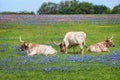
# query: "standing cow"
{"points": [[102, 46], [73, 39], [34, 49]]}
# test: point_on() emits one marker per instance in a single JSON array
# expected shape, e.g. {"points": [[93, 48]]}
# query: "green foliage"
{"points": [[26, 12], [85, 8], [68, 7], [75, 7], [8, 13], [22, 12], [101, 9], [67, 10], [116, 9], [48, 8]]}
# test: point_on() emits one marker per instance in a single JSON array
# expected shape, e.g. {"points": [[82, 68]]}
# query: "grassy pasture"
{"points": [[15, 65]]}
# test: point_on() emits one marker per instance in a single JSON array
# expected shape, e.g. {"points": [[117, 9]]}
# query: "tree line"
{"points": [[76, 7], [22, 12], [71, 7]]}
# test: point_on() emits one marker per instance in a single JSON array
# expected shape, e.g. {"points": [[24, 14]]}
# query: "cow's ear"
{"points": [[107, 40], [64, 44], [26, 44]]}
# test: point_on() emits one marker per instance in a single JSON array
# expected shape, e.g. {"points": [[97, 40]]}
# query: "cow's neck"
{"points": [[105, 44], [27, 46]]}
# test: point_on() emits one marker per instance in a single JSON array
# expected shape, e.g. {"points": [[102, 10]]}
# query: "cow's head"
{"points": [[23, 46], [62, 46], [109, 42]]}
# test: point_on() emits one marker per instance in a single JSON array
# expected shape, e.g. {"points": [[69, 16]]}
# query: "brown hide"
{"points": [[101, 46]]}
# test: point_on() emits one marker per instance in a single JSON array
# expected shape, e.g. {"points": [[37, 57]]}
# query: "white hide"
{"points": [[72, 39], [40, 49]]}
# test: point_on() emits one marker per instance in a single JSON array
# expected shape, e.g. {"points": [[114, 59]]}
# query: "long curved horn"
{"points": [[57, 43], [21, 40]]}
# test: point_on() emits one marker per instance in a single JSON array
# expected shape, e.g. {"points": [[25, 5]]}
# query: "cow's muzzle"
{"points": [[62, 51], [113, 45], [20, 49]]}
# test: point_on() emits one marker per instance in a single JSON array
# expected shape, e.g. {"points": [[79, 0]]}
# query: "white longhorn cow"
{"points": [[73, 39]]}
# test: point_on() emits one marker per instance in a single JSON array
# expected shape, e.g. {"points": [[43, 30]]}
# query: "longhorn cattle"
{"points": [[102, 46], [72, 39], [34, 49]]}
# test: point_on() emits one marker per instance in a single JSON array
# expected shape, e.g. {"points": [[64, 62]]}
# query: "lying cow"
{"points": [[102, 46], [34, 49], [72, 39]]}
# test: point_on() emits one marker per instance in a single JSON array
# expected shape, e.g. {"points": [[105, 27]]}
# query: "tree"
{"points": [[68, 7], [67, 10], [26, 13], [43, 9], [22, 12], [116, 9], [101, 9], [74, 7], [48, 8], [85, 8]]}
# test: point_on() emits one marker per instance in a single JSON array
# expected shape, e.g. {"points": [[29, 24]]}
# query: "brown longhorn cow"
{"points": [[102, 46]]}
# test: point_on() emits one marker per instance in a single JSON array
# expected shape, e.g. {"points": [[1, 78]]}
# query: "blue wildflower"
{"points": [[49, 69], [115, 55]]}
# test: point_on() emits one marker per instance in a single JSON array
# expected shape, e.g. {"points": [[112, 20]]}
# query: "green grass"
{"points": [[46, 34]]}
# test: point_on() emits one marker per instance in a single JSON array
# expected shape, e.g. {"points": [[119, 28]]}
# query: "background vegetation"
{"points": [[76, 7], [22, 13]]}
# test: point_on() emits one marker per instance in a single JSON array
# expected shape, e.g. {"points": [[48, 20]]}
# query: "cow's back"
{"points": [[75, 37], [41, 49], [47, 49], [98, 47]]}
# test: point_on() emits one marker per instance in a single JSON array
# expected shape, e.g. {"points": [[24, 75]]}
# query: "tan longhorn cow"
{"points": [[35, 49]]}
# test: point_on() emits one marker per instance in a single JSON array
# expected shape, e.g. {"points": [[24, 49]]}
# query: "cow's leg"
{"points": [[81, 49], [66, 47], [74, 50], [46, 54], [66, 51], [109, 51], [30, 54]]}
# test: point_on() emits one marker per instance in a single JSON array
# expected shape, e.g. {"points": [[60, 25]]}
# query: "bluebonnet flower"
{"points": [[115, 55], [3, 65], [19, 63], [4, 45], [50, 59], [7, 60], [48, 69], [66, 68], [2, 51], [24, 60], [45, 19], [77, 58]]}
